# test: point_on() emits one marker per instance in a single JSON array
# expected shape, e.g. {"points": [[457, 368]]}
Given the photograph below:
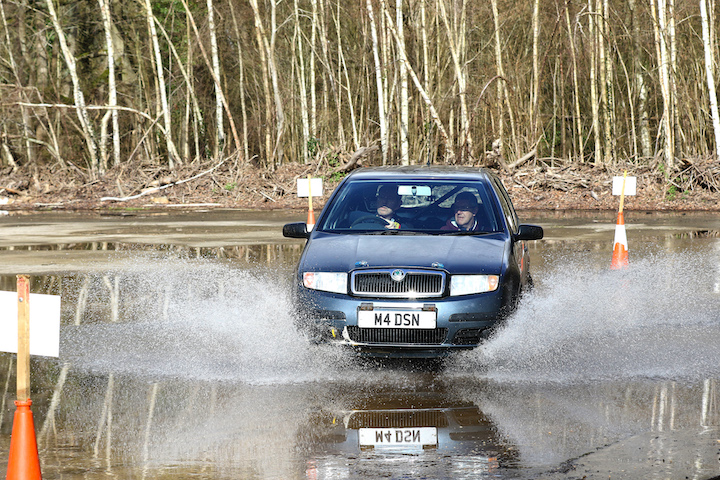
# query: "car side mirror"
{"points": [[296, 230], [529, 232]]}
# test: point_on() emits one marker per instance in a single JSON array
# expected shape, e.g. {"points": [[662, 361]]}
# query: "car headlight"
{"points": [[467, 284], [335, 282]]}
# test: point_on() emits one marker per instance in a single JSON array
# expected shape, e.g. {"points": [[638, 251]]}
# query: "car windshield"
{"points": [[433, 207]]}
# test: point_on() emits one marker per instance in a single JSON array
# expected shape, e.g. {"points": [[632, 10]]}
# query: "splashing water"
{"points": [[197, 319], [211, 320], [657, 318]]}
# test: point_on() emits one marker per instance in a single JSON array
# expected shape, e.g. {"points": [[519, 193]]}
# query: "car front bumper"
{"points": [[462, 322]]}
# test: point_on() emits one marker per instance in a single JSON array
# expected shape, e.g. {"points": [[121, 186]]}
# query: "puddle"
{"points": [[181, 360]]}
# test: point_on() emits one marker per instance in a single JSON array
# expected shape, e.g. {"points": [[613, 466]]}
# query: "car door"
{"points": [[519, 248]]}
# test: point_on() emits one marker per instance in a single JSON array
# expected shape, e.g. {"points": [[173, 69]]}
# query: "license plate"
{"points": [[396, 437], [397, 319]]}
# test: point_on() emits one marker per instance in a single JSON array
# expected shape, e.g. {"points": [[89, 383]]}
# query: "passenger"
{"points": [[465, 208], [388, 201]]}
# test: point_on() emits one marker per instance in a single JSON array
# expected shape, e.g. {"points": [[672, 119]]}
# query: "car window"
{"points": [[420, 206], [508, 210]]}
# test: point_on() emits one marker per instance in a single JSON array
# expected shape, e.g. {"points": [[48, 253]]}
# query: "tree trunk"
{"points": [[187, 76], [379, 83], [304, 114], [78, 96], [664, 61], [426, 76], [607, 83], [450, 152], [404, 116], [23, 110], [313, 50], [278, 156], [348, 87], [460, 78], [259, 34], [640, 85], [592, 22], [577, 119], [241, 81], [710, 77], [503, 93], [534, 100], [219, 127], [112, 88], [677, 127], [171, 152], [215, 78]]}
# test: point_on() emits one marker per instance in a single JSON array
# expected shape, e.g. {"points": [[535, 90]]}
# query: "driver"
{"points": [[388, 201], [465, 208]]}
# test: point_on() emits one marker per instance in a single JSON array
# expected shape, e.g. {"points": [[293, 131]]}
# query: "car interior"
{"points": [[424, 208]]}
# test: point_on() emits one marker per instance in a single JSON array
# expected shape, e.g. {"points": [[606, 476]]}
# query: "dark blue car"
{"points": [[412, 261]]}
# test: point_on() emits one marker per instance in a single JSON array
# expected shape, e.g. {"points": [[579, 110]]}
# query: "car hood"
{"points": [[458, 254]]}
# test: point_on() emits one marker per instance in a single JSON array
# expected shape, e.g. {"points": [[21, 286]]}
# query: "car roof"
{"points": [[396, 172]]}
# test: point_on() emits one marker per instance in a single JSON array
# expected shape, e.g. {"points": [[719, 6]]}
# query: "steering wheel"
{"points": [[374, 219]]}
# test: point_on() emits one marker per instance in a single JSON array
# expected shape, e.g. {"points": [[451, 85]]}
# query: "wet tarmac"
{"points": [[179, 359]]}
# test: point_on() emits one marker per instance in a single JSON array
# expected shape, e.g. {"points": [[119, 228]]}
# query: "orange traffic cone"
{"points": [[311, 219], [23, 462], [620, 250]]}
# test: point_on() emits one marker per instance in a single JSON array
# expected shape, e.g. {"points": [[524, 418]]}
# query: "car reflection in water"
{"points": [[432, 434]]}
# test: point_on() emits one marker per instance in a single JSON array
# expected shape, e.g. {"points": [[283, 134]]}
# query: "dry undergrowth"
{"points": [[228, 184]]}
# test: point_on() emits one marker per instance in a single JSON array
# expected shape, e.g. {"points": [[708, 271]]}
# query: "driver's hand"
{"points": [[393, 225]]}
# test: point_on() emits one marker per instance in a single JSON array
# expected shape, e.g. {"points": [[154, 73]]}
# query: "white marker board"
{"points": [[44, 324]]}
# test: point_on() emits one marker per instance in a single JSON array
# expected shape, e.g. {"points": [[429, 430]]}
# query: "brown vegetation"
{"points": [[140, 185], [104, 98]]}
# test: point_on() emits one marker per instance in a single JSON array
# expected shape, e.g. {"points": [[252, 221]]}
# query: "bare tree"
{"points": [[241, 82], [215, 78], [577, 118], [342, 66], [267, 47], [192, 98], [535, 92], [219, 128], [503, 93], [165, 109], [640, 85], [710, 76], [80, 108], [304, 114], [112, 88], [309, 82], [313, 54], [23, 109], [450, 151], [659, 11], [379, 83], [595, 101], [454, 42], [404, 99]]}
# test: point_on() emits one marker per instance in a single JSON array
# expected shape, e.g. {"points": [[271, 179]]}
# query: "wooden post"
{"points": [[23, 355], [310, 193], [622, 193]]}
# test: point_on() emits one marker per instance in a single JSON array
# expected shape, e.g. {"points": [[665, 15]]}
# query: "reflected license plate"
{"points": [[395, 437], [397, 319]]}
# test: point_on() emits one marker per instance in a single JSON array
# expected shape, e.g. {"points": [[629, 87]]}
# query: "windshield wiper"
{"points": [[464, 232], [394, 231]]}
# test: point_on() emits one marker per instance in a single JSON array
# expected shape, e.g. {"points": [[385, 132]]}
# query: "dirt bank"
{"points": [[228, 185]]}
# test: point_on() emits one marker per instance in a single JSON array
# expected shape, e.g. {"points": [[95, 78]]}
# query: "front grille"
{"points": [[398, 419], [415, 284], [434, 336]]}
